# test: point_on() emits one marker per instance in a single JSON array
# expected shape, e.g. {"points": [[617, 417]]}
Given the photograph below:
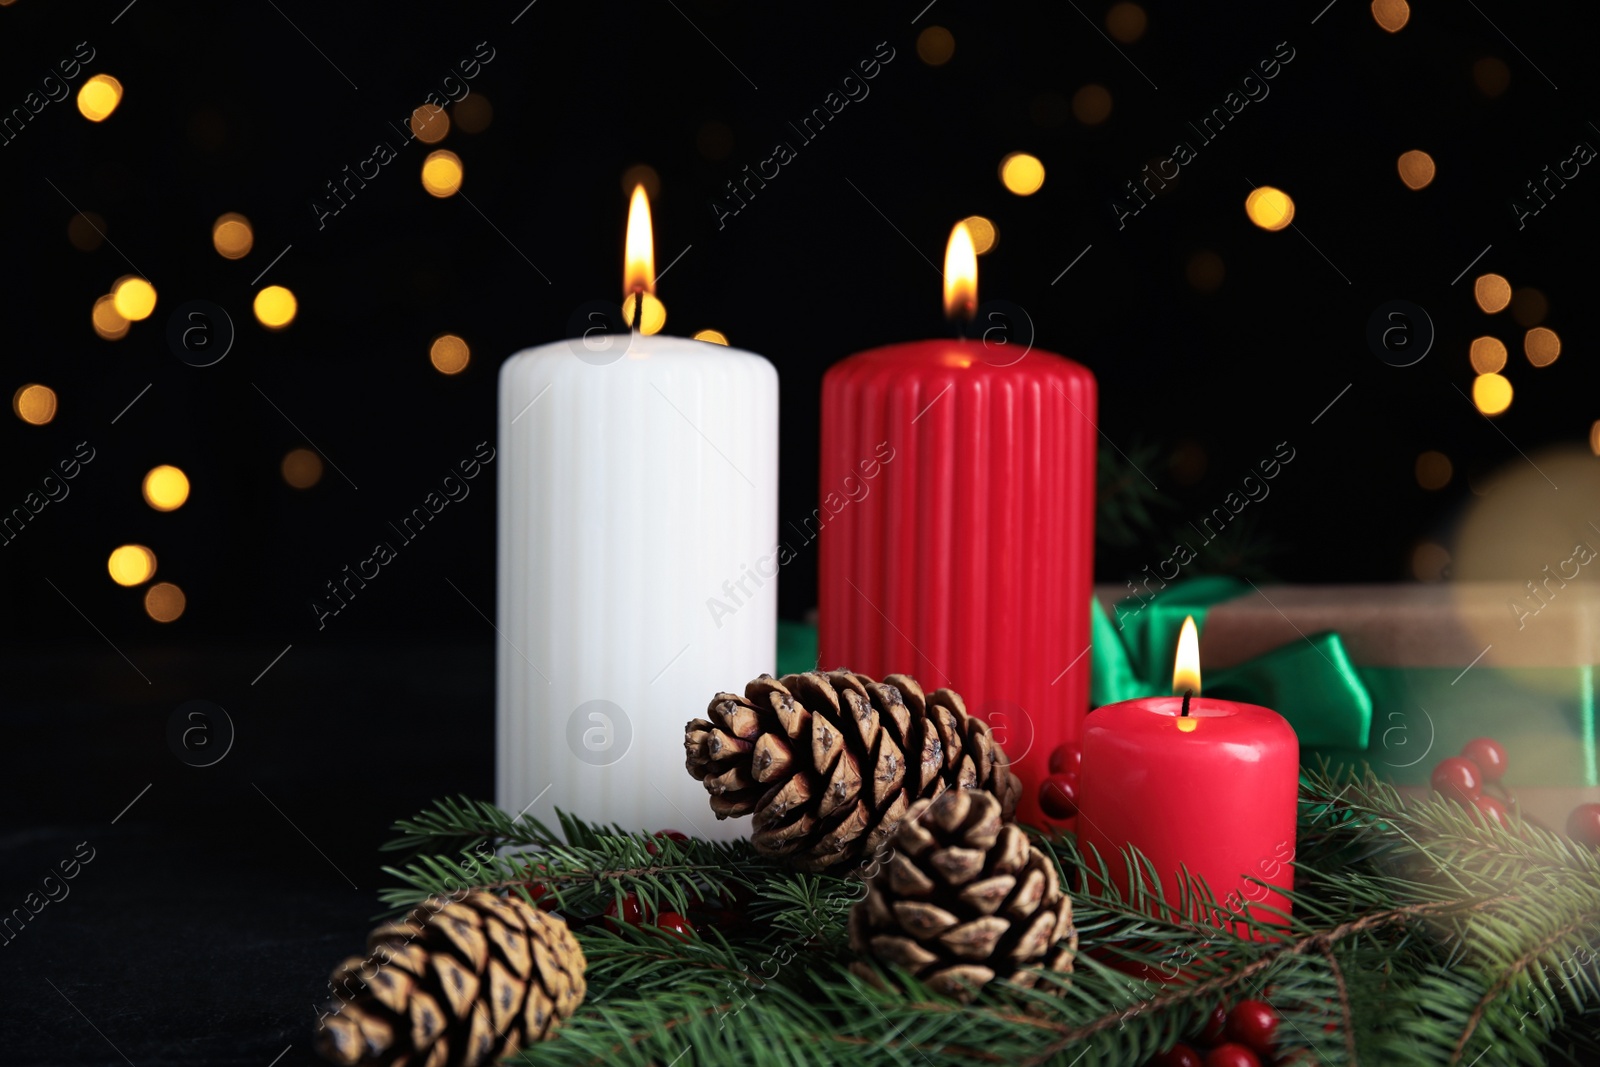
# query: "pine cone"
{"points": [[829, 763], [459, 982], [965, 900]]}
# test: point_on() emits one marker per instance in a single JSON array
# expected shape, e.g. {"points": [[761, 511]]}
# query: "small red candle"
{"points": [[1212, 792], [957, 531]]}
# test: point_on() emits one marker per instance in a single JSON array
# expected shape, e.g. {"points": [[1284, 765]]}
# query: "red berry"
{"points": [[1254, 1023], [1179, 1055], [1216, 1025], [631, 913], [676, 925], [675, 835], [1458, 778], [1583, 825], [1493, 810], [1058, 796], [1489, 755], [1231, 1055], [1066, 759]]}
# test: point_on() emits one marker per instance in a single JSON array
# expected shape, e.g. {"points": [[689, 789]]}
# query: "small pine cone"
{"points": [[965, 900], [457, 981], [829, 763]]}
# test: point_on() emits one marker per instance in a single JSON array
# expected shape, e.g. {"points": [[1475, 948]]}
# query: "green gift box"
{"points": [[1398, 676]]}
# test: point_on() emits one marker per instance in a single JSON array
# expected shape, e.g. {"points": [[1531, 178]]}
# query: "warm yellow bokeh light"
{"points": [[232, 236], [34, 404], [1542, 346], [164, 602], [716, 337], [1491, 393], [1021, 173], [430, 123], [1126, 22], [108, 321], [1091, 105], [473, 113], [1416, 168], [985, 235], [1269, 208], [654, 314], [449, 354], [134, 297], [1434, 470], [131, 564], [166, 488], [275, 307], [1392, 15], [1492, 292], [1488, 355], [99, 97], [87, 231], [1492, 76], [935, 46], [442, 173], [1594, 437], [302, 468]]}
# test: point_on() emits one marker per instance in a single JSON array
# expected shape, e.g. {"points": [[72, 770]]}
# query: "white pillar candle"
{"points": [[637, 570]]}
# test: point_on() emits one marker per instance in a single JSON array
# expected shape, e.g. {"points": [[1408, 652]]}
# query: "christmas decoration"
{"points": [[457, 981], [964, 900], [828, 764]]}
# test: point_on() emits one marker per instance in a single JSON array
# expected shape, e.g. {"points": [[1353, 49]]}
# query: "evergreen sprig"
{"points": [[1418, 934]]}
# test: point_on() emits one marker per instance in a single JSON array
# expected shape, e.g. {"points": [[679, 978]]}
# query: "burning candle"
{"points": [[1196, 784], [638, 482], [961, 549]]}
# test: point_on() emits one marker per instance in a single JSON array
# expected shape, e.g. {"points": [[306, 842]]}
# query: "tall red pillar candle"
{"points": [[1213, 793], [957, 534]]}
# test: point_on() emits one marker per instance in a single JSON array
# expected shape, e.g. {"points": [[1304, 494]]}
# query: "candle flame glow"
{"points": [[1186, 669], [639, 251], [960, 275]]}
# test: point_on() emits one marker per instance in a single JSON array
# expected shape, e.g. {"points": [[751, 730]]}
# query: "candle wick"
{"points": [[638, 309], [1187, 693]]}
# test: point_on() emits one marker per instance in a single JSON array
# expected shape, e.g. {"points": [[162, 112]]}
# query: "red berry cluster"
{"points": [[630, 912], [1246, 1036], [1462, 778], [1058, 795]]}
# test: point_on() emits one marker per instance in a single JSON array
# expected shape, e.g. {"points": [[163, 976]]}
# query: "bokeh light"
{"points": [[166, 488], [232, 236], [1491, 76], [131, 564], [164, 602], [1594, 437], [985, 235], [1021, 173], [449, 354], [108, 321], [1416, 168], [473, 113], [442, 173], [1492, 292], [1091, 105], [86, 231], [430, 123], [1529, 306], [302, 468], [1491, 393], [935, 46], [1205, 271], [134, 297], [1488, 355], [1429, 561], [1433, 470], [98, 97], [716, 337], [653, 317], [1126, 22], [1392, 15], [34, 404], [275, 307], [1542, 346], [642, 174], [1269, 208]]}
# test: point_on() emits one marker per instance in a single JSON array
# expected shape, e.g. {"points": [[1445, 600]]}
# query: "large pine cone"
{"points": [[459, 982], [829, 763], [965, 900]]}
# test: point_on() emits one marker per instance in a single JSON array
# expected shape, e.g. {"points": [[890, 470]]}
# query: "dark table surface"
{"points": [[217, 898]]}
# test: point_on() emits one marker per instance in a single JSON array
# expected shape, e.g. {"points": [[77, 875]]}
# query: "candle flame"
{"points": [[1186, 669], [639, 251], [960, 275]]}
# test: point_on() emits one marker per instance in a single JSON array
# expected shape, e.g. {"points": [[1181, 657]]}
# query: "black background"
{"points": [[201, 933]]}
